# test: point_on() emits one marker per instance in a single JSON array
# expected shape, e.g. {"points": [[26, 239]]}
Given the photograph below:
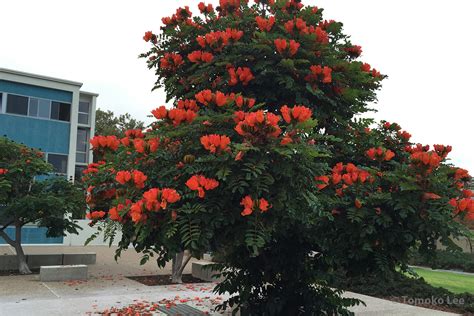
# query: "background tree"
{"points": [[106, 123], [49, 203], [261, 159]]}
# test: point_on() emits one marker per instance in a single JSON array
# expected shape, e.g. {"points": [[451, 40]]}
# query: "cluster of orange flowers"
{"points": [[265, 24], [199, 56], [282, 46], [136, 176], [242, 74], [250, 205], [111, 142], [464, 204], [215, 143], [201, 184], [95, 215], [114, 212], [205, 9], [298, 113], [218, 40], [317, 71], [347, 174], [171, 61], [257, 124], [367, 68], [141, 145], [156, 199], [188, 105], [218, 98], [380, 154], [176, 116], [427, 160]]}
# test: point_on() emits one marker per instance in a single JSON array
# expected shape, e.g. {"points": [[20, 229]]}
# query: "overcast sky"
{"points": [[425, 47]]}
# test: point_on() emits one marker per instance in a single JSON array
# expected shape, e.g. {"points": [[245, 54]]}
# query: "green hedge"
{"points": [[399, 286], [446, 260]]}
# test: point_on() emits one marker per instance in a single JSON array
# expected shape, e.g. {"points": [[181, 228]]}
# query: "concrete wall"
{"points": [[86, 232]]}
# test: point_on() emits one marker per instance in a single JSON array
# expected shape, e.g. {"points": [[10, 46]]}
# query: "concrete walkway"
{"points": [[107, 287]]}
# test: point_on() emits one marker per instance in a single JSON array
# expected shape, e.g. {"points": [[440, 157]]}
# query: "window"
{"points": [[36, 107], [17, 104], [59, 162], [60, 111], [82, 145], [83, 117], [39, 108], [78, 172], [1, 99]]}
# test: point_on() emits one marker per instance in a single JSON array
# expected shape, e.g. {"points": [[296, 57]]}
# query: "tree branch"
{"points": [[6, 225], [10, 241]]}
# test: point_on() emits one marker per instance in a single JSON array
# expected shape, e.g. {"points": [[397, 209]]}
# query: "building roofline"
{"points": [[35, 76], [89, 93]]}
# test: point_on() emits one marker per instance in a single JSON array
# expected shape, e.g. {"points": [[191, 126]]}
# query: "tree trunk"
{"points": [[177, 268], [22, 265]]}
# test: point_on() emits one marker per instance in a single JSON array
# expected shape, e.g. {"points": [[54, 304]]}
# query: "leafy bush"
{"points": [[397, 285], [444, 259]]}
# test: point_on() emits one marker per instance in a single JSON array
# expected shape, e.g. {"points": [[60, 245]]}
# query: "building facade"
{"points": [[52, 115]]}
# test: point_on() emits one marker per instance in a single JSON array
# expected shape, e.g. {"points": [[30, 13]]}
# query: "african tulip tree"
{"points": [[261, 160]]}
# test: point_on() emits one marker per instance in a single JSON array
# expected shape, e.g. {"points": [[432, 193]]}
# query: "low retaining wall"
{"points": [[201, 270], [10, 262], [63, 273]]}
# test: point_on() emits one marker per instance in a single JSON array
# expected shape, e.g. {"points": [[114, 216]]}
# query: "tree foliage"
{"points": [[51, 202], [261, 159], [106, 123]]}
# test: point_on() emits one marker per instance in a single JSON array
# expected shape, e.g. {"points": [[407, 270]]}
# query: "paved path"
{"points": [[107, 287]]}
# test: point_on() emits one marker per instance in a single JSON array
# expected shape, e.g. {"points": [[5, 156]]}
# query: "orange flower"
{"points": [[247, 203], [324, 180], [123, 177], [200, 56], [139, 179], [215, 143], [299, 113], [105, 142], [178, 115], [95, 215], [139, 145], [201, 184], [358, 203], [293, 47], [136, 212], [160, 113], [263, 205], [148, 36], [280, 45], [264, 24], [256, 124], [204, 97], [3, 171], [317, 72]]}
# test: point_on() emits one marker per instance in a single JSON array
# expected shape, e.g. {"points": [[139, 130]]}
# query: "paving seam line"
{"points": [[51, 290]]}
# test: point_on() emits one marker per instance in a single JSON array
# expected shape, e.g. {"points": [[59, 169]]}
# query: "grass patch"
{"points": [[454, 282]]}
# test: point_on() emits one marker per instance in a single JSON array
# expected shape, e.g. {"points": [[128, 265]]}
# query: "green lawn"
{"points": [[454, 282]]}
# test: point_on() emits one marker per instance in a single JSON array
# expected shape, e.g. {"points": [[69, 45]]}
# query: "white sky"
{"points": [[424, 46]]}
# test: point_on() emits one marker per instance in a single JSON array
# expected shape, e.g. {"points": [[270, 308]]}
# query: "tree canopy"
{"points": [[51, 202]]}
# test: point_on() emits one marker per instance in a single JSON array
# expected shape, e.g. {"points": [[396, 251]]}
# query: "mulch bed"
{"points": [[152, 280]]}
